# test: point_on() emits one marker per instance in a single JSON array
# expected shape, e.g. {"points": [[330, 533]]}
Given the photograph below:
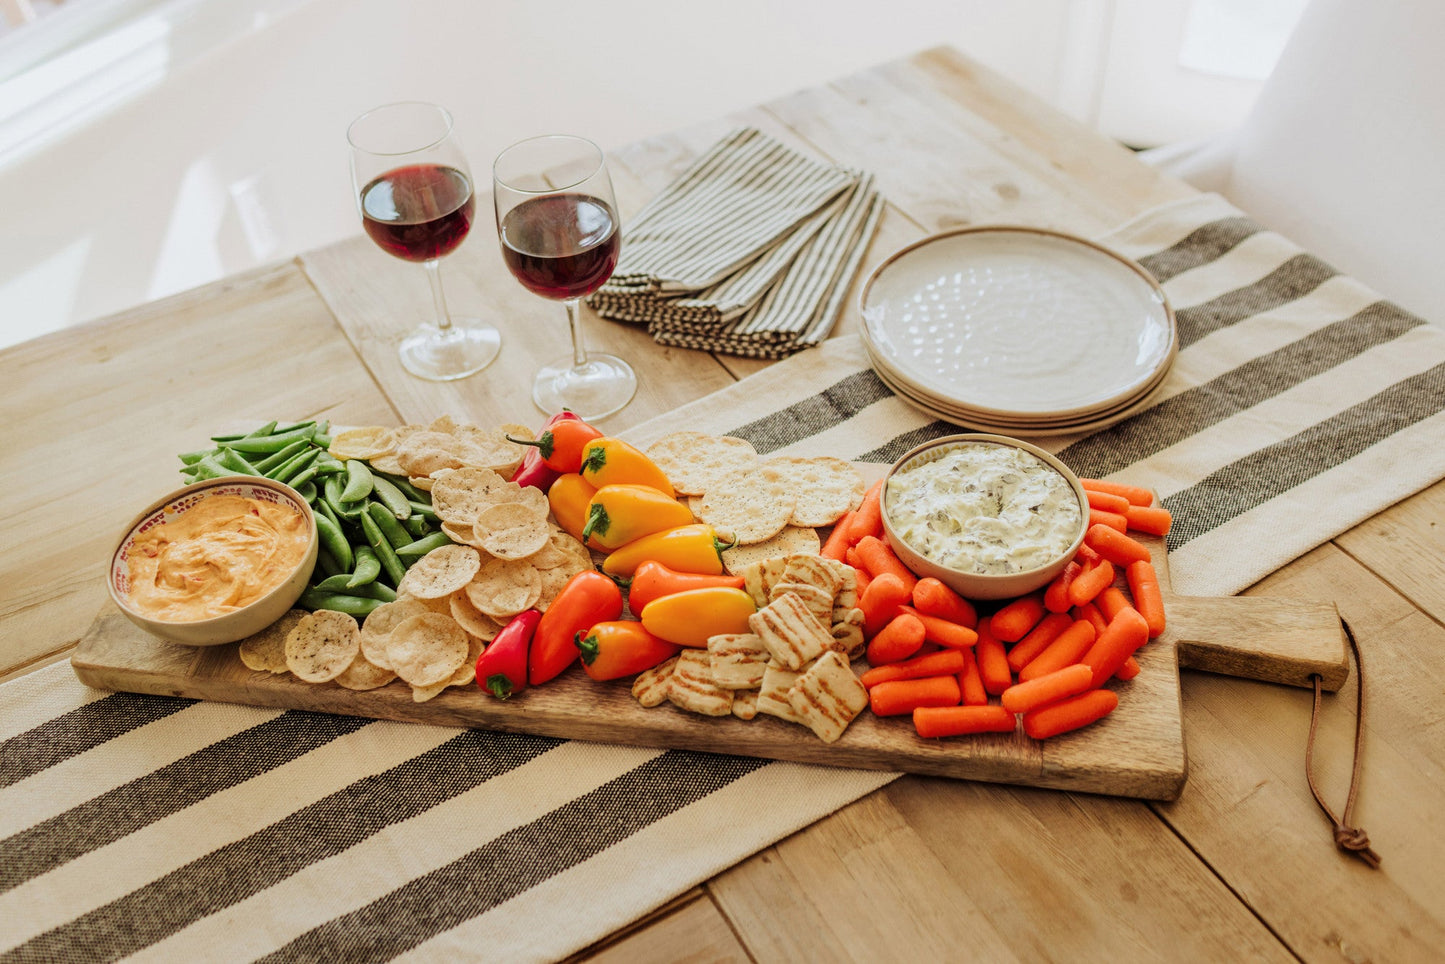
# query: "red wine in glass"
{"points": [[561, 246], [420, 212]]}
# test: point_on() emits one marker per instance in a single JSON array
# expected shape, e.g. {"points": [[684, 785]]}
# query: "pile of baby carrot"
{"points": [[1045, 656]]}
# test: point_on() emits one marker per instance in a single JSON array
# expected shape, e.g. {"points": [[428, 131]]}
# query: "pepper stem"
{"points": [[596, 519], [545, 444], [499, 686], [588, 648]]}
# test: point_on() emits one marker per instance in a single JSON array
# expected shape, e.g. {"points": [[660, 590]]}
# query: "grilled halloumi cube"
{"points": [[738, 660], [791, 632], [814, 571], [847, 633], [745, 704], [651, 686], [759, 577], [828, 696], [773, 697], [819, 601], [692, 686]]}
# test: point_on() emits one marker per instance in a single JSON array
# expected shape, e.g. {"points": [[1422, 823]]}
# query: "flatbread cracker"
{"points": [[791, 540], [694, 461], [754, 505], [826, 488]]}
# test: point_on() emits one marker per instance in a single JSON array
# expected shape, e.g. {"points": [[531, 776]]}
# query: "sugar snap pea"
{"points": [[303, 477], [209, 468], [413, 494], [419, 548], [322, 439], [417, 525], [335, 543], [191, 458], [370, 590], [326, 563], [351, 605], [358, 481], [395, 533], [291, 426], [390, 496], [307, 491], [294, 466], [331, 489], [232, 460], [326, 465], [424, 510], [368, 567], [272, 443], [390, 564], [280, 458]]}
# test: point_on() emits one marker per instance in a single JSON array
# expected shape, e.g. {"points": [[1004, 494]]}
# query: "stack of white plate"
{"points": [[1018, 331]]}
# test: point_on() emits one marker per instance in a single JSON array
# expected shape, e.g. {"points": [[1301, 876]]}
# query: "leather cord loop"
{"points": [[1350, 839]]}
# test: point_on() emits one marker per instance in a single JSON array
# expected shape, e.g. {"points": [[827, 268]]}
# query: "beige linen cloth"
{"points": [[172, 829]]}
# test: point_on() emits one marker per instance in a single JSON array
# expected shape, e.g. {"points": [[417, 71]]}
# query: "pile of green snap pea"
{"points": [[371, 525]]}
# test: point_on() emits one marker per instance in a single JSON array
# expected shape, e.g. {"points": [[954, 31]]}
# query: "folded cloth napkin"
{"points": [[749, 252]]}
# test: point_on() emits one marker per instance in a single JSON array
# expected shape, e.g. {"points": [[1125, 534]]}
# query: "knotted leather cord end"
{"points": [[1350, 840]]}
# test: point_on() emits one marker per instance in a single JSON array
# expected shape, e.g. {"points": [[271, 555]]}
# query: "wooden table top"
{"points": [[1241, 866]]}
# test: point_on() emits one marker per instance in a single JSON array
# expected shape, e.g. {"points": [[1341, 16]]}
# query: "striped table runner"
{"points": [[171, 829]]}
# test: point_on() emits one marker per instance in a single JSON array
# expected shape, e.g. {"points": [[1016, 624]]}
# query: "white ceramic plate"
{"points": [[1018, 322]]}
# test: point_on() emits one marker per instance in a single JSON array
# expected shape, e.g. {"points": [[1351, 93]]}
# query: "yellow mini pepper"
{"points": [[619, 514], [689, 617], [610, 461], [689, 548]]}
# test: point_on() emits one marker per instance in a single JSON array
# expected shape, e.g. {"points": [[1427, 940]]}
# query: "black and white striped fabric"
{"points": [[172, 829], [749, 252]]}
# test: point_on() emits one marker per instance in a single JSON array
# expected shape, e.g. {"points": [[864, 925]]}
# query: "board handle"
{"points": [[1260, 637]]}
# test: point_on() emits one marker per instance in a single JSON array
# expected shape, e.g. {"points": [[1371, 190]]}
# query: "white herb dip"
{"points": [[984, 508]]}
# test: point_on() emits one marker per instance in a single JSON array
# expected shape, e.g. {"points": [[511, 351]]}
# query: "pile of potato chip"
{"points": [[772, 506], [795, 664], [420, 452]]}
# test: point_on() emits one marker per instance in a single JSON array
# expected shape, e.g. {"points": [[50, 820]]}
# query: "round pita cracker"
{"points": [[266, 651], [426, 649], [381, 621], [826, 488], [321, 645], [695, 460], [361, 443], [441, 572], [472, 619], [459, 495]]}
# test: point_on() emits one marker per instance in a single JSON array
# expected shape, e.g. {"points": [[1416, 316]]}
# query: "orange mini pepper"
{"points": [[609, 461], [621, 647], [569, 497], [652, 580], [688, 618], [618, 514], [689, 548]]}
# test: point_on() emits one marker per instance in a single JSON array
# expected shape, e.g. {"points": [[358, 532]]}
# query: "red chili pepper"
{"points": [[589, 597], [533, 470], [618, 648], [653, 579], [502, 667], [561, 443]]}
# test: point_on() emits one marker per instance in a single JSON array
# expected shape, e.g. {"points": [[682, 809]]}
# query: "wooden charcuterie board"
{"points": [[1137, 751]]}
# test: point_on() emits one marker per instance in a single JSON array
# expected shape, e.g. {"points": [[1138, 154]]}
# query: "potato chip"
{"points": [[826, 488], [792, 539], [361, 443], [504, 587], [426, 649], [465, 674], [511, 530], [459, 495], [472, 619], [423, 453], [441, 572], [266, 651], [363, 674], [754, 505], [694, 461], [379, 624], [321, 645]]}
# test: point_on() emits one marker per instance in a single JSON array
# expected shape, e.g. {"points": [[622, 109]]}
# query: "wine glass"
{"points": [[558, 227], [416, 201]]}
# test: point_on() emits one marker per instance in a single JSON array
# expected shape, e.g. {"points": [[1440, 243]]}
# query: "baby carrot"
{"points": [[1108, 501], [1092, 581], [1133, 493], [1090, 611], [880, 601], [867, 519], [1110, 601], [1126, 633], [1129, 670], [1066, 649], [1012, 623], [993, 666], [1056, 596], [935, 721], [1049, 688], [970, 681], [852, 558], [836, 547], [1114, 545], [1153, 520], [1085, 555], [934, 664], [932, 598], [1069, 714], [1115, 521], [1144, 586], [900, 696], [943, 632], [878, 558], [1037, 640], [861, 578], [898, 640]]}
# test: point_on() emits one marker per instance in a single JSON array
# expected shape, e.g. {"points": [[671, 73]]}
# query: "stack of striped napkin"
{"points": [[749, 252]]}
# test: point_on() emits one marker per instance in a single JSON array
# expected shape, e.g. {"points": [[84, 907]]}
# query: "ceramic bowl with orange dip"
{"points": [[215, 561]]}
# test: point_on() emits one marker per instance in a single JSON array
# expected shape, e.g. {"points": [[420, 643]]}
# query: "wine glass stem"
{"points": [[574, 322], [434, 275]]}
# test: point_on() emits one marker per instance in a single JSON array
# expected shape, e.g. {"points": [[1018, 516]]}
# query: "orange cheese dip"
{"points": [[222, 554]]}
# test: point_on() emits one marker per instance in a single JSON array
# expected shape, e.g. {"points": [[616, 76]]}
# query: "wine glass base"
{"points": [[601, 387], [456, 352]]}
